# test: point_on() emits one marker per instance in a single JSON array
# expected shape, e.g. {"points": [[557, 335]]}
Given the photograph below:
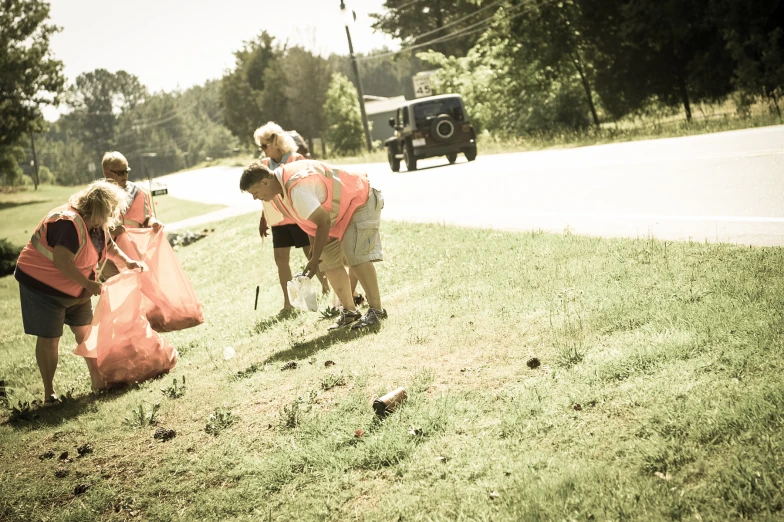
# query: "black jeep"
{"points": [[427, 127]]}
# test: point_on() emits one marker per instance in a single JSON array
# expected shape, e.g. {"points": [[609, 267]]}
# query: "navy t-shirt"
{"points": [[63, 233]]}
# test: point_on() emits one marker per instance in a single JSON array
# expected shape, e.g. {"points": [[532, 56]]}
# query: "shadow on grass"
{"points": [[11, 204], [44, 416], [266, 324], [307, 349]]}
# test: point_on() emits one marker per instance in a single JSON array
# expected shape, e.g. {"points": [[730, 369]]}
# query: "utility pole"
{"points": [[35, 160], [356, 74]]}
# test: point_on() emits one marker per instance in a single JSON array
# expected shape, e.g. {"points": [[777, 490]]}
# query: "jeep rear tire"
{"points": [[411, 160], [470, 154], [394, 161], [452, 157]]}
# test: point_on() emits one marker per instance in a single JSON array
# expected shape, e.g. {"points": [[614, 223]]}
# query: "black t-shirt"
{"points": [[63, 233]]}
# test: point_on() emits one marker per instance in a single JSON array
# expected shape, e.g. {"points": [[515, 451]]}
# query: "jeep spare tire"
{"points": [[442, 128]]}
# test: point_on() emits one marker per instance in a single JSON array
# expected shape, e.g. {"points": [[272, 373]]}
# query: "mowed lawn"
{"points": [[550, 377]]}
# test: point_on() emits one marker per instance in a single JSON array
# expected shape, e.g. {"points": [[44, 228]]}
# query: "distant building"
{"points": [[379, 109]]}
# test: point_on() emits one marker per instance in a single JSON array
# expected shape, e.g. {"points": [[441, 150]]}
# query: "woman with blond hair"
{"points": [[280, 148], [57, 269]]}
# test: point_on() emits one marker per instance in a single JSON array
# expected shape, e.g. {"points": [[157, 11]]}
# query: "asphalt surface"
{"points": [[726, 187]]}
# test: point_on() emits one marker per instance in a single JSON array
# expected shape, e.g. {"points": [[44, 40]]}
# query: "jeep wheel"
{"points": [[411, 160], [452, 157], [394, 162], [470, 154]]}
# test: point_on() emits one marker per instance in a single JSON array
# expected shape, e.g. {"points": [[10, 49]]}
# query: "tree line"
{"points": [[527, 65], [522, 66]]}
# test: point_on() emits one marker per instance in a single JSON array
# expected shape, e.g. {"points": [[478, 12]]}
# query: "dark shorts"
{"points": [[43, 315], [284, 236]]}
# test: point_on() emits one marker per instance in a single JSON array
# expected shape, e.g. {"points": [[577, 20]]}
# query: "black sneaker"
{"points": [[346, 318], [371, 318]]}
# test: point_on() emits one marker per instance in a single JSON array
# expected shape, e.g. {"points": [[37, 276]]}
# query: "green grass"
{"points": [[21, 211], [658, 396]]}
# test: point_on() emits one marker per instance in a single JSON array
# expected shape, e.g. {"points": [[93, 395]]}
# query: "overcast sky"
{"points": [[175, 44]]}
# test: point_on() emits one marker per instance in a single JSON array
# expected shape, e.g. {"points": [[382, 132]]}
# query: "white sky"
{"points": [[175, 44]]}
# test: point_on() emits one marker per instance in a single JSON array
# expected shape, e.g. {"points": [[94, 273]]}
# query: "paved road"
{"points": [[720, 187]]}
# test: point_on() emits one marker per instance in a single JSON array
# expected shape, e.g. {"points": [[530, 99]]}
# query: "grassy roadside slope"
{"points": [[658, 395]]}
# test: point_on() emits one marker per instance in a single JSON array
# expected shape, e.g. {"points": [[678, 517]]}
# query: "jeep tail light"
{"points": [[466, 127]]}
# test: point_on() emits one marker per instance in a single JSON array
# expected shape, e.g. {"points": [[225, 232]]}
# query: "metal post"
{"points": [[35, 160], [359, 83], [149, 179]]}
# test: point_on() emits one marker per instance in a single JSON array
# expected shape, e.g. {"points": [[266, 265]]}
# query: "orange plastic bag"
{"points": [[169, 301], [126, 348]]}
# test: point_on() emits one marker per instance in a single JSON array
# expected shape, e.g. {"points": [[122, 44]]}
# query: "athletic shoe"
{"points": [[371, 318], [346, 318]]}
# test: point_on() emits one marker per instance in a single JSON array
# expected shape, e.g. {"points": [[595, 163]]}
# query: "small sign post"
{"points": [[422, 86]]}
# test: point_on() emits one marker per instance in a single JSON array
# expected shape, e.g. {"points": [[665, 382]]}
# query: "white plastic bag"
{"points": [[302, 293]]}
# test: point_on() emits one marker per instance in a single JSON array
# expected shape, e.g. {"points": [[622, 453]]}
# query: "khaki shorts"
{"points": [[362, 242]]}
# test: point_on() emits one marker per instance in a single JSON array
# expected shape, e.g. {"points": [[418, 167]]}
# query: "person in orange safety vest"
{"points": [[139, 212], [57, 269], [280, 148], [341, 213]]}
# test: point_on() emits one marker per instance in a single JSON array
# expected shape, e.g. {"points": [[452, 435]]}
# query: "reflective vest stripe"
{"points": [[334, 174], [77, 221]]}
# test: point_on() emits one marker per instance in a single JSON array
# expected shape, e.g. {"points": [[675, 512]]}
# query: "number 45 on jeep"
{"points": [[428, 127]]}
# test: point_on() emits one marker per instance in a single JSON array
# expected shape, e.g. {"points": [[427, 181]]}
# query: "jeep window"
{"points": [[404, 119], [425, 111]]}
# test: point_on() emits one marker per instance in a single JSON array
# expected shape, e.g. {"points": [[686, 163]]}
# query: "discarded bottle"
{"points": [[390, 401]]}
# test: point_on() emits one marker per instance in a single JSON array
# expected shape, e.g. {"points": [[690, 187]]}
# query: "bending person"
{"points": [[280, 149], [341, 212], [138, 213], [56, 274]]}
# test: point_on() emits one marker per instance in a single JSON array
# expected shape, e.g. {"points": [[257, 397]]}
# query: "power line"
{"points": [[453, 22], [482, 24]]}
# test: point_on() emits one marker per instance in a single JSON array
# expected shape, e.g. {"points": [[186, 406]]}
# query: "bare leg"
{"points": [[366, 273], [338, 278], [282, 256], [320, 275], [96, 381], [353, 278], [46, 356]]}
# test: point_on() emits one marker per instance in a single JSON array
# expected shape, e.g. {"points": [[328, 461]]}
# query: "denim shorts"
{"points": [[361, 242], [43, 315]]}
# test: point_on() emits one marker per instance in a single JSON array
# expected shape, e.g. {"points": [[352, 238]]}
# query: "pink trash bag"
{"points": [[126, 348], [169, 301]]}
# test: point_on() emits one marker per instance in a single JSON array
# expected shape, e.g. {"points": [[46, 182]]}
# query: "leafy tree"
{"points": [[667, 51], [98, 99], [307, 80], [550, 35], [344, 131], [507, 91], [754, 33], [453, 27], [242, 89], [30, 77]]}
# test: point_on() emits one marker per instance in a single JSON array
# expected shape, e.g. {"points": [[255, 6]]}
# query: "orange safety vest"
{"points": [[276, 203], [346, 191], [139, 209], [37, 257]]}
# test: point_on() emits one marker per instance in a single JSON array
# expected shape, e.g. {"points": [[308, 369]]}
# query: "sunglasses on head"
{"points": [[121, 172]]}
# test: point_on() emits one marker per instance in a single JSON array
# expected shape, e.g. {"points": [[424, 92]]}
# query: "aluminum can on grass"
{"points": [[390, 401]]}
